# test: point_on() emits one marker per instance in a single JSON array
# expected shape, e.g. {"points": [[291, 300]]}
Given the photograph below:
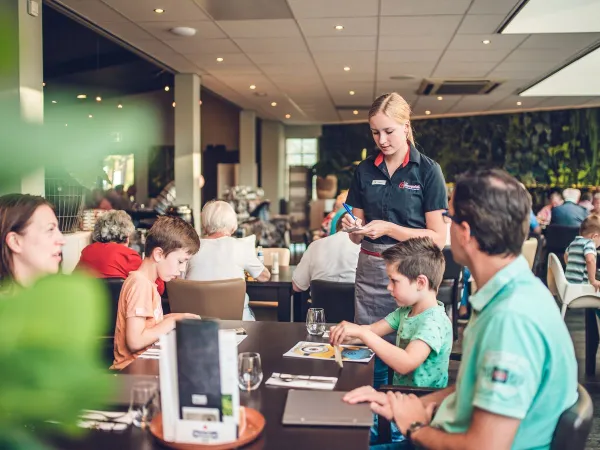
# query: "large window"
{"points": [[301, 152], [119, 170]]}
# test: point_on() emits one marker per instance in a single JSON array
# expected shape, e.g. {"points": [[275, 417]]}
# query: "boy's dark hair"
{"points": [[418, 256], [496, 207], [590, 225], [586, 197], [172, 234]]}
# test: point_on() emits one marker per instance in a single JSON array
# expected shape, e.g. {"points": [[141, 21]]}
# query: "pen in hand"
{"points": [[349, 211]]}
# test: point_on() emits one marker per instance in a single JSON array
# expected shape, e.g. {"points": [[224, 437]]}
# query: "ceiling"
{"points": [[291, 51]]}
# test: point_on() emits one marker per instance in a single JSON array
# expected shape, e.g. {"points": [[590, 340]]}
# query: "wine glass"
{"points": [[315, 321], [249, 371], [144, 403]]}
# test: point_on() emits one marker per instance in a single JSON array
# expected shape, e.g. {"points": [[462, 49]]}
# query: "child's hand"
{"points": [[344, 331], [596, 285]]}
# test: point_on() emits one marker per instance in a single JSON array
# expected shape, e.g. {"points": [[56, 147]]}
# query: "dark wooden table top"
{"points": [[271, 340], [283, 277]]}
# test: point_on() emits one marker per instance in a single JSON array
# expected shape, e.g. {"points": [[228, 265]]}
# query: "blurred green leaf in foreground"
{"points": [[50, 358]]}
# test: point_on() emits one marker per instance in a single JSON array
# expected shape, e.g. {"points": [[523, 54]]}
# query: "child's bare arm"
{"points": [[566, 257], [401, 361], [348, 332], [138, 336], [590, 262]]}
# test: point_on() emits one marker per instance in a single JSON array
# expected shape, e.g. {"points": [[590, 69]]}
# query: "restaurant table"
{"points": [[271, 340], [278, 288]]}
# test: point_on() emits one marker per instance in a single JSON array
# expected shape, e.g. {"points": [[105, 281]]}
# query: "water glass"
{"points": [[315, 321], [249, 371], [144, 403]]}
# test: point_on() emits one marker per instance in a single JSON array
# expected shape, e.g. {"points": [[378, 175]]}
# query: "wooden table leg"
{"points": [[591, 341]]}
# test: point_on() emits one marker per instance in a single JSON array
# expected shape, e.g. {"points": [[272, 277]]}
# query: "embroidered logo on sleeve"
{"points": [[503, 375], [410, 187], [378, 182], [499, 375]]}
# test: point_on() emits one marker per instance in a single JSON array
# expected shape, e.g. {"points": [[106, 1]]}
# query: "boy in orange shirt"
{"points": [[170, 243]]}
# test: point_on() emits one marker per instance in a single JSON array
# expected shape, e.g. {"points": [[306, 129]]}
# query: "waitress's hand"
{"points": [[375, 229], [348, 222]]}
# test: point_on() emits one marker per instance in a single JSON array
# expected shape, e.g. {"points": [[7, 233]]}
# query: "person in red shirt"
{"points": [[109, 256]]}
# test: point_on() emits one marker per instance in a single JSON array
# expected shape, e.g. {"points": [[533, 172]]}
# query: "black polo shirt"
{"points": [[417, 187]]}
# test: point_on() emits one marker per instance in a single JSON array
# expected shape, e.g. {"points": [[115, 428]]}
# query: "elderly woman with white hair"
{"points": [[221, 256], [109, 256]]}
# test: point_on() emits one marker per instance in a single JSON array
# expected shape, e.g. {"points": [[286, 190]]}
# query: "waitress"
{"points": [[398, 194]]}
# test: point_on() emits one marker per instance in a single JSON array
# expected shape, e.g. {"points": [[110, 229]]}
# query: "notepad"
{"points": [[322, 408]]}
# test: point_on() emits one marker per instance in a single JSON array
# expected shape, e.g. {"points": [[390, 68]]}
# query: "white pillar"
{"points": [[273, 161], [187, 142], [21, 85], [247, 148]]}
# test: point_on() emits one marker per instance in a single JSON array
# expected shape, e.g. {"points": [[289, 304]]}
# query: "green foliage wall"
{"points": [[547, 147]]}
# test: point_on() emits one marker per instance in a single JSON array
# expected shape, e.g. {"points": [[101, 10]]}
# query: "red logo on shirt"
{"points": [[411, 187]]}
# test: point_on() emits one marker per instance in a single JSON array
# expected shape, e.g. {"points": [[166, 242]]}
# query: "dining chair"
{"points": [[571, 432], [569, 295], [574, 424], [448, 292], [222, 299], [558, 238], [529, 250], [284, 256], [114, 286], [337, 299]]}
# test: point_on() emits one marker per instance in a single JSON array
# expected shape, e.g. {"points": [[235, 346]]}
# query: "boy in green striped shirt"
{"points": [[580, 256]]}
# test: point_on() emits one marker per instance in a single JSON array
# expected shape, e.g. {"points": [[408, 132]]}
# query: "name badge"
{"points": [[378, 182]]}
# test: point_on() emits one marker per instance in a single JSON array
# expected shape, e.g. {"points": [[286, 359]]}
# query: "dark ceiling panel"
{"points": [[246, 9]]}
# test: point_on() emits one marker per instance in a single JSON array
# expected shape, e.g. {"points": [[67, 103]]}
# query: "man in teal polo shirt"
{"points": [[518, 371]]}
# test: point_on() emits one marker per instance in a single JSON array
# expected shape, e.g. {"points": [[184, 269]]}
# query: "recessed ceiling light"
{"points": [[519, 103], [167, 88], [90, 116], [66, 124], [355, 112], [98, 99], [173, 104], [427, 112], [252, 87], [219, 59], [351, 92], [183, 31], [486, 41], [120, 106], [347, 68], [159, 10], [82, 96], [339, 27], [54, 101], [440, 98], [287, 116], [273, 103]]}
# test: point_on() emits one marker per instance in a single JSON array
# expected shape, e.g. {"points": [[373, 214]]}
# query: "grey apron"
{"points": [[372, 301]]}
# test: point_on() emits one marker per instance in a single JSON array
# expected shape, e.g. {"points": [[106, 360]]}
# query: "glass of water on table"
{"points": [[315, 321]]}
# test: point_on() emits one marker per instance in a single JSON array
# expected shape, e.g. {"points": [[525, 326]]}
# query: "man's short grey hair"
{"points": [[219, 216], [113, 226], [572, 195]]}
